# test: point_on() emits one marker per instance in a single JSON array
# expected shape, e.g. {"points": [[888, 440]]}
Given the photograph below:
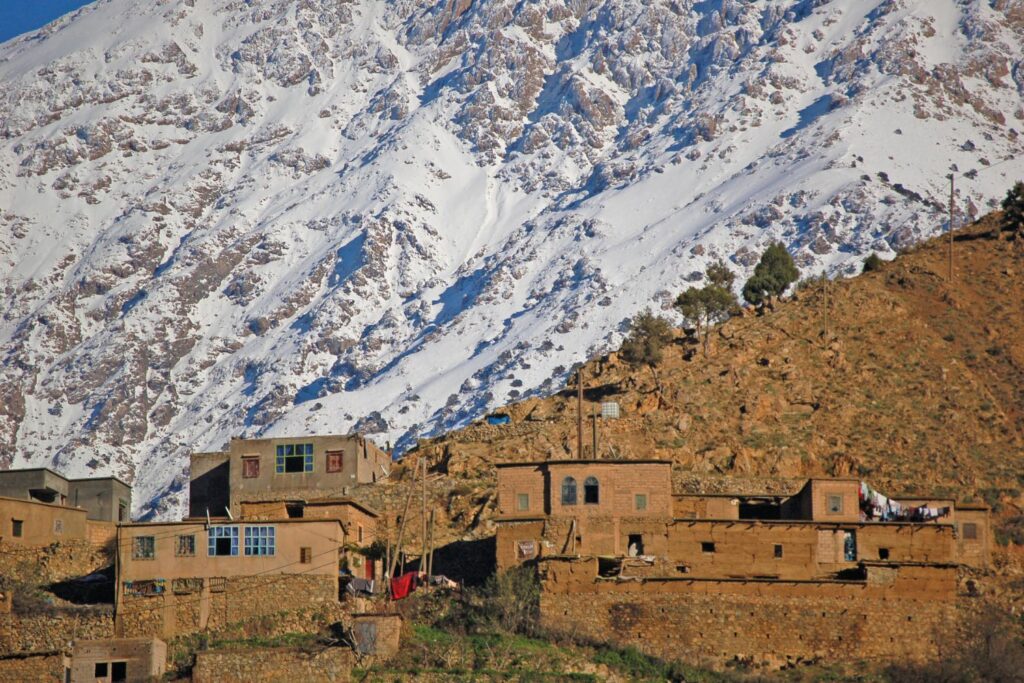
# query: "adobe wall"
{"points": [[242, 598], [42, 523], [976, 552], [56, 562], [45, 667], [274, 665], [100, 533], [762, 623], [705, 507]]}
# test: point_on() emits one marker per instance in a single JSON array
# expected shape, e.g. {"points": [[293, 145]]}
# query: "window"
{"points": [[883, 553], [143, 548], [778, 551], [305, 555], [58, 526], [334, 461], [122, 511], [640, 501], [591, 491], [970, 531], [360, 535], [119, 672], [707, 547], [223, 540], [186, 546], [635, 545], [834, 505], [259, 540], [17, 527], [294, 457], [100, 670], [522, 502], [250, 467], [568, 491]]}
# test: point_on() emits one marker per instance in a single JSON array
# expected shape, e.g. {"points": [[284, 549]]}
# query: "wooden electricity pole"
{"points": [[952, 176], [423, 538], [579, 413], [593, 416]]}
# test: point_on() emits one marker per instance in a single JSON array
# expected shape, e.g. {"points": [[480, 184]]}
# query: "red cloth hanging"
{"points": [[403, 585]]}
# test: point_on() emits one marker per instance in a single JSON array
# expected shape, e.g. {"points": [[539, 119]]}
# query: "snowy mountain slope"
{"points": [[221, 217]]}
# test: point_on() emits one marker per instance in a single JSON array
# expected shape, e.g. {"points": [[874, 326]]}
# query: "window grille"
{"points": [[294, 457], [259, 540], [143, 548], [568, 491], [223, 540]]}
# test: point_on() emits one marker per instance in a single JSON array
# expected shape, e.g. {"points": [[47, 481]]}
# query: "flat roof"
{"points": [[356, 435], [817, 522], [58, 474], [315, 502], [536, 463], [224, 521], [28, 501]]}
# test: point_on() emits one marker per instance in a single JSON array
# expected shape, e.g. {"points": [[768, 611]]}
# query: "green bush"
{"points": [[873, 262]]}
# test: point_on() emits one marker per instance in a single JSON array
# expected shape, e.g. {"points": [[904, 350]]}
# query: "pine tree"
{"points": [[648, 335], [1013, 210], [772, 275], [710, 304]]}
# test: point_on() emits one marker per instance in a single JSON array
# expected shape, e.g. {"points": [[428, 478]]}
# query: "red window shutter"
{"points": [[334, 462], [250, 468]]}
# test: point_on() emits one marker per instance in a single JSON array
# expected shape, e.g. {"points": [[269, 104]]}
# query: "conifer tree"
{"points": [[772, 275], [1013, 210], [648, 335], [710, 304]]}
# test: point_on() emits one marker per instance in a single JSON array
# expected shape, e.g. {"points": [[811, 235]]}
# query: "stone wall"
{"points": [[51, 563], [39, 632], [43, 667], [769, 623], [274, 665], [219, 603]]}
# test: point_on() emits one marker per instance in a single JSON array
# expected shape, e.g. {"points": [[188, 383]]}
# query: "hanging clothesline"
{"points": [[876, 507]]}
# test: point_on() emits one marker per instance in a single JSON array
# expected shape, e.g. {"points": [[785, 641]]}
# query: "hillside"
{"points": [[278, 217], [918, 388]]}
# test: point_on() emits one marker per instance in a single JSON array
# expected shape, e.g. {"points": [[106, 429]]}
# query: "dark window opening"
{"points": [[778, 550], [883, 553], [849, 546], [293, 464], [707, 547], [591, 491], [834, 505], [122, 511], [635, 544], [293, 458], [759, 510], [100, 670], [223, 546], [295, 511], [568, 491], [17, 527], [119, 672], [305, 555]]}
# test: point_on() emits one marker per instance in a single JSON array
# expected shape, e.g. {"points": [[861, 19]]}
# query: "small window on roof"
{"points": [[970, 531], [834, 504], [778, 551], [522, 502], [883, 553], [641, 501], [591, 491]]}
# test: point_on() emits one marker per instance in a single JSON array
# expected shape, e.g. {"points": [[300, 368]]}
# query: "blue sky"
{"points": [[20, 16]]}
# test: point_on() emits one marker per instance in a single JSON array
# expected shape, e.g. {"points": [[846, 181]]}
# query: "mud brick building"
{"points": [[280, 469], [132, 660], [180, 577], [767, 579], [105, 499]]}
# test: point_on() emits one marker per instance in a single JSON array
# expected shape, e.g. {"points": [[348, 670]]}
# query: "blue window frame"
{"points": [[223, 541], [259, 540], [294, 457]]}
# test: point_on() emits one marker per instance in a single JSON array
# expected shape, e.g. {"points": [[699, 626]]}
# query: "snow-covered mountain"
{"points": [[223, 217]]}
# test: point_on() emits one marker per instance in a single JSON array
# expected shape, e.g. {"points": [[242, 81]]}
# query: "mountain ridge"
{"points": [[275, 217]]}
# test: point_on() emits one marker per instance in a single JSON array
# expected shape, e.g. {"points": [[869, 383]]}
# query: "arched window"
{"points": [[568, 491], [591, 490]]}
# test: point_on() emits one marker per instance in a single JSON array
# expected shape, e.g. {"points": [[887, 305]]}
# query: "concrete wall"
{"points": [[208, 486], [360, 461], [145, 658], [104, 499], [760, 622], [41, 523], [20, 484]]}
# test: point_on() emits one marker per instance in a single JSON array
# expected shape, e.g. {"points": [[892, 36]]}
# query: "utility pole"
{"points": [[952, 176], [824, 289], [579, 413], [423, 538], [593, 416]]}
